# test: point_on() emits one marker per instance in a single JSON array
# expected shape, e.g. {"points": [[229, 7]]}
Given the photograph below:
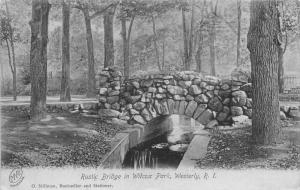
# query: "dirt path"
{"points": [[25, 100]]}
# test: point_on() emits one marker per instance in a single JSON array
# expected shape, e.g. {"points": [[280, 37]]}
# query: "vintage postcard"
{"points": [[150, 94]]}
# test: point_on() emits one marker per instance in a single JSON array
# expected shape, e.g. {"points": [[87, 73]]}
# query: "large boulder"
{"points": [[112, 99], [222, 116], [139, 105], [211, 80], [202, 98], [146, 114], [147, 83], [190, 109], [285, 109], [135, 84], [185, 84], [182, 107], [103, 91], [176, 90], [241, 121], [248, 89], [139, 119], [206, 117], [239, 98], [294, 113], [215, 104], [282, 115], [201, 108], [236, 111], [195, 90]]}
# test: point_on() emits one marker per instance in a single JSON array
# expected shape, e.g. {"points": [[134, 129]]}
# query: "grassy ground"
{"points": [[61, 139], [235, 150]]}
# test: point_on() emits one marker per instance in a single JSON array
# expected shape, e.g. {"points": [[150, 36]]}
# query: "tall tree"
{"points": [[212, 38], [238, 43], [159, 65], [289, 10], [108, 22], [65, 78], [91, 84], [85, 8], [126, 37], [200, 39], [7, 33], [264, 40], [38, 58], [199, 51], [188, 37]]}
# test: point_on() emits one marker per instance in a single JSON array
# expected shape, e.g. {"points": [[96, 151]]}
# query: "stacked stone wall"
{"points": [[204, 98]]}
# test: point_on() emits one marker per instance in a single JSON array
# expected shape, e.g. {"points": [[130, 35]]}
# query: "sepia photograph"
{"points": [[150, 94]]}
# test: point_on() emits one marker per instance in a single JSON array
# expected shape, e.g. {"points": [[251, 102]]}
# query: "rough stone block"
{"points": [[146, 114], [112, 99], [202, 98], [236, 111], [215, 104], [182, 107], [139, 119], [239, 98], [171, 105], [176, 108], [195, 90], [108, 113], [205, 117], [190, 109], [199, 110], [139, 105]]}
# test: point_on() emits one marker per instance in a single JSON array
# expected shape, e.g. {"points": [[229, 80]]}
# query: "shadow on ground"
{"points": [[59, 140]]}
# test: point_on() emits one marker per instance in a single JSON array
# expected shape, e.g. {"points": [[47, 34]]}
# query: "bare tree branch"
{"points": [[97, 13]]}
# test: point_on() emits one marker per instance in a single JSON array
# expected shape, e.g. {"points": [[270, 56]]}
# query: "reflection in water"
{"points": [[168, 142]]}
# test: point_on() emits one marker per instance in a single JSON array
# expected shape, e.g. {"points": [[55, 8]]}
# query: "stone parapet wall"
{"points": [[204, 98], [52, 108]]}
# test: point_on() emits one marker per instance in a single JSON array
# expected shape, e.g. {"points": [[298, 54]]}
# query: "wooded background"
{"points": [[164, 36]]}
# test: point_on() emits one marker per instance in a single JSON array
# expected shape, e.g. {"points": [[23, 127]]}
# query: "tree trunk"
{"points": [[15, 69], [190, 40], [65, 95], [125, 49], [13, 63], [108, 38], [280, 70], [298, 44], [185, 41], [163, 56], [238, 44], [212, 49], [38, 58], [264, 45], [199, 52], [155, 44], [11, 68], [2, 80], [126, 45], [91, 85]]}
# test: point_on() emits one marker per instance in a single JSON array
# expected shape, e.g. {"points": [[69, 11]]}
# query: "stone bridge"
{"points": [[207, 99]]}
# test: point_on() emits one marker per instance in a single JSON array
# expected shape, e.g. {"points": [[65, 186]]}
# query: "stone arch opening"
{"points": [[173, 124]]}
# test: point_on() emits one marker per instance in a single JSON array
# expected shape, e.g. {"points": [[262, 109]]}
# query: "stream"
{"points": [[167, 145]]}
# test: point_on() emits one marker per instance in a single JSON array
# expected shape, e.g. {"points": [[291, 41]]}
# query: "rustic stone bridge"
{"points": [[207, 99]]}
